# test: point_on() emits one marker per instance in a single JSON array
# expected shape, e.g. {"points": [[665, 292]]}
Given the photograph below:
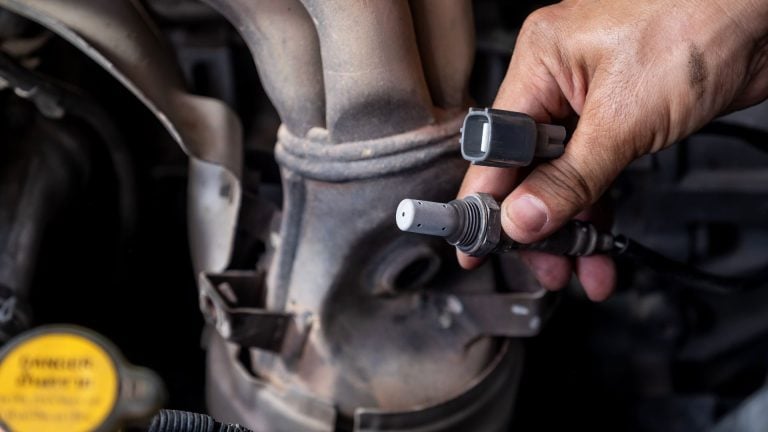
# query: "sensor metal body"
{"points": [[473, 225]]}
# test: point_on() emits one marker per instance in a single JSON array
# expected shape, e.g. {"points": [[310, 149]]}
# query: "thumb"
{"points": [[557, 190]]}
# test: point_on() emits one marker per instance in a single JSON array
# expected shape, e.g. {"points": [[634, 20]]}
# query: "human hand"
{"points": [[640, 75]]}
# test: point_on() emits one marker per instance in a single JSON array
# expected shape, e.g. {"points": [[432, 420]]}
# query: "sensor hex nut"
{"points": [[488, 232]]}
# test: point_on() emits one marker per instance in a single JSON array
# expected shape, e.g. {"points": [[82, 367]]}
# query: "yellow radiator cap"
{"points": [[68, 379]]}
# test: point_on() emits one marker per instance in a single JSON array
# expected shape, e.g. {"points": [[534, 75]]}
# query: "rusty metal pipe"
{"points": [[447, 55], [378, 106], [350, 283], [374, 83], [284, 45]]}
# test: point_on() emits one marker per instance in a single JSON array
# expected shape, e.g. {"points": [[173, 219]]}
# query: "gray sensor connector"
{"points": [[501, 138]]}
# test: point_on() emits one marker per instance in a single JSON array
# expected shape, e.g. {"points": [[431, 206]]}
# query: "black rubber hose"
{"points": [[182, 421], [79, 105], [685, 274]]}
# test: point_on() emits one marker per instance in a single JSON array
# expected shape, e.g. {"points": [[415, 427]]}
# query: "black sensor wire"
{"points": [[685, 274]]}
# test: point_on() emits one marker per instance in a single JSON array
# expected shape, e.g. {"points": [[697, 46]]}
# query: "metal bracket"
{"points": [[233, 302], [518, 314]]}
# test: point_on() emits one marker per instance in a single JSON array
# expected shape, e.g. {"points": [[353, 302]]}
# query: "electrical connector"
{"points": [[499, 138]]}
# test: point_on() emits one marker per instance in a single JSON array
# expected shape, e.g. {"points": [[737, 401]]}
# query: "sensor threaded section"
{"points": [[471, 224], [470, 215]]}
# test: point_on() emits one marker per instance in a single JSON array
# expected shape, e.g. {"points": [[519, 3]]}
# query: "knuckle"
{"points": [[541, 24]]}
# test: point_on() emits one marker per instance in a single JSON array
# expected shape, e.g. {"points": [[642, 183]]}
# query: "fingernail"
{"points": [[528, 213]]}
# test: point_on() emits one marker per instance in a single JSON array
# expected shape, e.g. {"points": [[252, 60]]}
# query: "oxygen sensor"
{"points": [[473, 224], [499, 138]]}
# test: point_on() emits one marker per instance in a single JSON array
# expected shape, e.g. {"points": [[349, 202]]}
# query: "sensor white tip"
{"points": [[426, 217], [405, 214]]}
